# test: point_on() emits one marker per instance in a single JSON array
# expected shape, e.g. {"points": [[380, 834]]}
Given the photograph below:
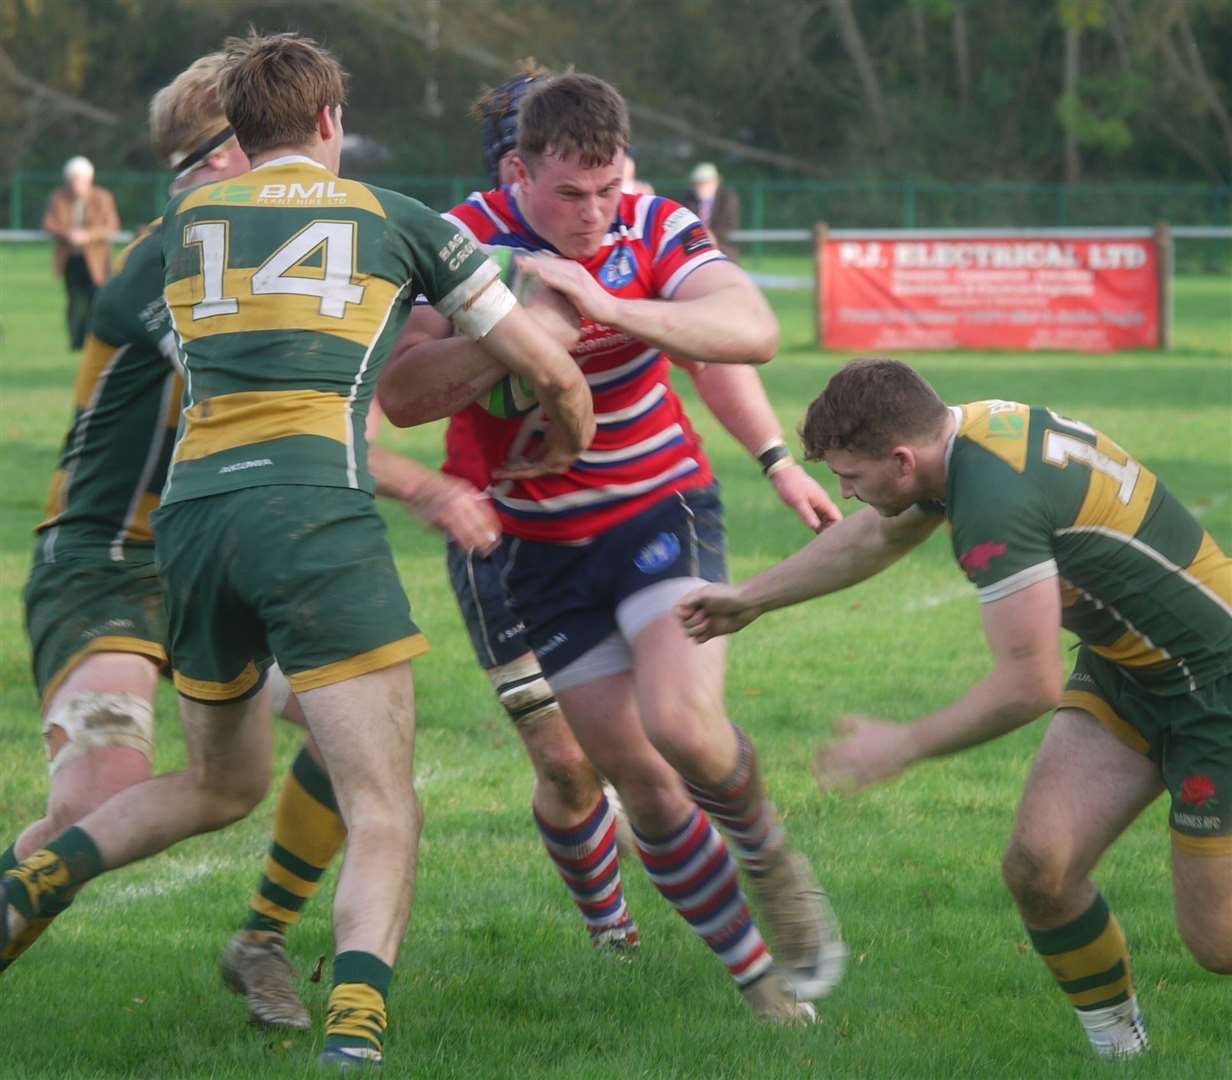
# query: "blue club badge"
{"points": [[659, 554]]}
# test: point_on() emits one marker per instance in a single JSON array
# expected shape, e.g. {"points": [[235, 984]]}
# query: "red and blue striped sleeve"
{"points": [[679, 244]]}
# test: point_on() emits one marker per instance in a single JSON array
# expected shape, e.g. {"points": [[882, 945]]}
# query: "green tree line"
{"points": [[1057, 91]]}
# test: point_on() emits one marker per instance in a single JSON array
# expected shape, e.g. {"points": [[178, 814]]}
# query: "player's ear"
{"points": [[329, 120], [904, 460]]}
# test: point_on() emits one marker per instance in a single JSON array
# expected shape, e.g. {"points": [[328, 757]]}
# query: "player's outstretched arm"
{"points": [[1025, 682], [854, 549], [717, 315], [735, 395]]}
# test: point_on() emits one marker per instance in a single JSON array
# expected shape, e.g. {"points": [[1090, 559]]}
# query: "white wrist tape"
{"points": [[479, 303]]}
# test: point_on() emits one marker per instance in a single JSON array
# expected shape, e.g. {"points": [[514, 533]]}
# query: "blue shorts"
{"points": [[498, 636], [567, 594]]}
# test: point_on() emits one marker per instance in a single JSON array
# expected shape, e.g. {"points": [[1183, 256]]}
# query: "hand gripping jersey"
{"points": [[287, 286], [1030, 495], [645, 448], [127, 401]]}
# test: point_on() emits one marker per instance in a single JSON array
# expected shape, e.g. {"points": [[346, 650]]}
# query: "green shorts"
{"points": [[1188, 736], [300, 573], [82, 604]]}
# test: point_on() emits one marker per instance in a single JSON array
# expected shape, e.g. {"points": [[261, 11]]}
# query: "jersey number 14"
{"points": [[284, 271]]}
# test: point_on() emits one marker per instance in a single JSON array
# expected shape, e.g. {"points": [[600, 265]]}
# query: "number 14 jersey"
{"points": [[288, 286]]}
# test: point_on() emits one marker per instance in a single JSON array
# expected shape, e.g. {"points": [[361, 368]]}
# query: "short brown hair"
{"points": [[186, 112], [871, 406], [274, 86], [578, 117]]}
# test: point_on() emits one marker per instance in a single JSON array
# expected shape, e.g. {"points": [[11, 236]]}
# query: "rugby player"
{"points": [[308, 832], [1055, 525], [594, 559], [285, 287], [94, 606]]}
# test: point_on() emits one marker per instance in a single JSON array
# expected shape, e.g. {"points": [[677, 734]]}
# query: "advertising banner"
{"points": [[1079, 291]]}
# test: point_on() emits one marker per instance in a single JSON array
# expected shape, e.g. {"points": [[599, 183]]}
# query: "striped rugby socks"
{"points": [[308, 833], [43, 885], [695, 872], [356, 1017], [1089, 958], [740, 806], [588, 862]]}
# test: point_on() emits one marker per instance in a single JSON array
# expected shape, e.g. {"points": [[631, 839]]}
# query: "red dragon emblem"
{"points": [[977, 560]]}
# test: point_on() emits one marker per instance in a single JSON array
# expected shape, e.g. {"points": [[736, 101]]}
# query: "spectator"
{"points": [[83, 220], [629, 183], [716, 205]]}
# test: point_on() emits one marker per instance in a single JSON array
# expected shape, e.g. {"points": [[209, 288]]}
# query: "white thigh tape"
{"points": [[95, 721]]}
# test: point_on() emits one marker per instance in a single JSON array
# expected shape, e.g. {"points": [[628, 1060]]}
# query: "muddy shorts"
{"points": [[79, 605], [297, 573], [1188, 736]]}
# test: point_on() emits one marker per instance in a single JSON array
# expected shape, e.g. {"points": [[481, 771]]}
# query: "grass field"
{"points": [[497, 978]]}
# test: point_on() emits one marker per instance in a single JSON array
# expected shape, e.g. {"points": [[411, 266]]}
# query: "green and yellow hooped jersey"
{"points": [[1030, 495], [287, 286], [126, 406]]}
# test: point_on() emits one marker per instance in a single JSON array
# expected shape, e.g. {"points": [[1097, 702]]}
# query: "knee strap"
{"points": [[95, 721], [523, 691]]}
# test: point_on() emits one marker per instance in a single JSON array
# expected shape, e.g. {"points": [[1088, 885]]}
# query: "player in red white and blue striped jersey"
{"points": [[645, 448], [593, 556]]}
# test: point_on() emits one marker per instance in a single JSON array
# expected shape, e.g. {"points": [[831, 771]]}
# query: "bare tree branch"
{"points": [[962, 59], [455, 38], [1201, 80], [65, 102], [853, 42]]}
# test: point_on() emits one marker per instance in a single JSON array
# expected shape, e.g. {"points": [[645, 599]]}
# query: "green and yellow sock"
{"points": [[43, 885], [355, 1022], [308, 832], [1089, 958]]}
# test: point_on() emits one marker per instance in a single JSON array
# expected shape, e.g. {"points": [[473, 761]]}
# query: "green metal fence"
{"points": [[777, 204]]}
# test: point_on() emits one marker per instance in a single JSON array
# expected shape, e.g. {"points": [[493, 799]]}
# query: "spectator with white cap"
{"points": [[83, 221], [717, 206]]}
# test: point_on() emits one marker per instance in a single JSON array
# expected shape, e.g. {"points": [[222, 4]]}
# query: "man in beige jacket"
{"points": [[83, 221]]}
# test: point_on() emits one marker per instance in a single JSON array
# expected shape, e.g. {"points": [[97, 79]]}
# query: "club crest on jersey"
{"points": [[980, 557], [619, 270], [659, 554]]}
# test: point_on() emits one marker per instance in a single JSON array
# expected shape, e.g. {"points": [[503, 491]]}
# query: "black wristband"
{"points": [[771, 457]]}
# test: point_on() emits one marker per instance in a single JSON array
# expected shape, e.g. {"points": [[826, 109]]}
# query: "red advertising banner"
{"points": [[1084, 290]]}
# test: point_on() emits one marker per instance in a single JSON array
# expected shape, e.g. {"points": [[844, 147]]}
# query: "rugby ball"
{"points": [[513, 397]]}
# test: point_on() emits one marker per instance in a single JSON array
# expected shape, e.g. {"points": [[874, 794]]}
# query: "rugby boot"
{"points": [[620, 942], [772, 999], [255, 965], [339, 1059], [1118, 1030], [803, 931]]}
